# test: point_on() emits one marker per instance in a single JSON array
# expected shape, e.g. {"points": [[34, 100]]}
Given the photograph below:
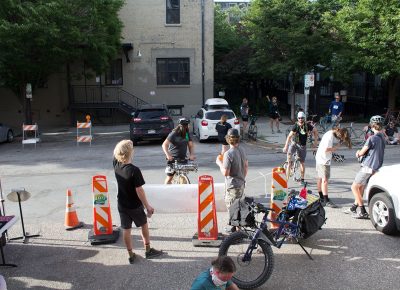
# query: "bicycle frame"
{"points": [[183, 169]]}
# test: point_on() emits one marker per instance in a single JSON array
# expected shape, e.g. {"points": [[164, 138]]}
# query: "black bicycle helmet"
{"points": [[183, 121]]}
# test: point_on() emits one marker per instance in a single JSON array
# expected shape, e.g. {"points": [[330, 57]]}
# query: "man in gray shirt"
{"points": [[372, 155], [234, 167]]}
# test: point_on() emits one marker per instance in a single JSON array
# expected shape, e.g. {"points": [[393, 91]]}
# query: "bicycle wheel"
{"points": [[296, 170], [287, 169], [249, 274], [183, 179], [357, 137]]}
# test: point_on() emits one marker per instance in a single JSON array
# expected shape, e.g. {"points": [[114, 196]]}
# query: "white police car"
{"points": [[383, 195], [209, 115]]}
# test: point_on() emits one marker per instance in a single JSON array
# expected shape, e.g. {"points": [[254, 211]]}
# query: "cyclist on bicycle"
{"points": [[336, 110], [175, 147], [296, 141]]}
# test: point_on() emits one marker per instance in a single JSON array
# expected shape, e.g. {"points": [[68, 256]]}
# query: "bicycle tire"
{"points": [[296, 170], [260, 266], [287, 171], [357, 137], [183, 179]]}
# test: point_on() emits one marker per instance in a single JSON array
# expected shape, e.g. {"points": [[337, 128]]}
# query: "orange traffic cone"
{"points": [[71, 218]]}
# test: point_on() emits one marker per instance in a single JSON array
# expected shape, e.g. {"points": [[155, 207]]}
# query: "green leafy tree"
{"points": [[289, 38], [371, 30], [39, 37]]}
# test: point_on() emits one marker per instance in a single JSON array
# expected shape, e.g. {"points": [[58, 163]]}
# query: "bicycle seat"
{"points": [[261, 208]]}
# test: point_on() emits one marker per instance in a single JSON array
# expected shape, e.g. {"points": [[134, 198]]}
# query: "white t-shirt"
{"points": [[323, 157]]}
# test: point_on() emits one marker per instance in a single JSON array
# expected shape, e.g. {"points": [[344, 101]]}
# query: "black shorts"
{"points": [[274, 116], [245, 119], [169, 170], [223, 141], [129, 215]]}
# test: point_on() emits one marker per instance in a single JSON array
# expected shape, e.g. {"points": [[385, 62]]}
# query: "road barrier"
{"points": [[279, 193], [30, 140], [71, 217], [102, 232], [84, 133]]}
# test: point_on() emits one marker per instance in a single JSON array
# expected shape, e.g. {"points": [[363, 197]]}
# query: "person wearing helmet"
{"points": [[323, 159], [371, 155], [234, 167], [176, 146], [296, 141]]}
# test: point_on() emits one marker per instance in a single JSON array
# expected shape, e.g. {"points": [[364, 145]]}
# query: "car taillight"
{"points": [[204, 123], [236, 122], [164, 118], [136, 120]]}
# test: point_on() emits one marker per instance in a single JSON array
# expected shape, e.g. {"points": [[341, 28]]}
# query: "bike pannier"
{"points": [[311, 219]]}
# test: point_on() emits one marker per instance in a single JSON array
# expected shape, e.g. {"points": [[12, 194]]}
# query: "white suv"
{"points": [[383, 195], [209, 115]]}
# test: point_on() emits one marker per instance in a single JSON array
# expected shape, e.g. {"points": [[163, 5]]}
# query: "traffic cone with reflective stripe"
{"points": [[71, 218]]}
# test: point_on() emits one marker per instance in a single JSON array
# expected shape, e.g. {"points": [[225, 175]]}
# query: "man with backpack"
{"points": [[371, 159], [296, 141]]}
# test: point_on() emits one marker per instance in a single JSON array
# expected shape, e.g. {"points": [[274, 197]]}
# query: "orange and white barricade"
{"points": [[207, 225], [28, 139], [84, 133], [103, 232], [279, 194]]}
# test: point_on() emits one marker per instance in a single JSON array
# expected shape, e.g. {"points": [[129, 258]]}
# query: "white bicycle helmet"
{"points": [[376, 120], [183, 121]]}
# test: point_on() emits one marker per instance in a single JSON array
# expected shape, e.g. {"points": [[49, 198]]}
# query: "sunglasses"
{"points": [[301, 118]]}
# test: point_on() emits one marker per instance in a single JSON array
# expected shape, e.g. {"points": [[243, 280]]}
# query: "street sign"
{"points": [[308, 80]]}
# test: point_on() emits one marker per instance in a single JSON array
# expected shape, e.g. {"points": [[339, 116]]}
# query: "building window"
{"points": [[173, 71], [173, 12], [114, 73]]}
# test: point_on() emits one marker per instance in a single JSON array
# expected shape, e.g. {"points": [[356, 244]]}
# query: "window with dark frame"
{"points": [[173, 12], [114, 75], [173, 71]]}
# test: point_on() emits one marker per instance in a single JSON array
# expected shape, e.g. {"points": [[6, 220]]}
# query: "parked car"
{"points": [[6, 133], [150, 122], [383, 195], [209, 115]]}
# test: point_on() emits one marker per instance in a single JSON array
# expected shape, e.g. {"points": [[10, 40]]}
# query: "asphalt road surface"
{"points": [[348, 254]]}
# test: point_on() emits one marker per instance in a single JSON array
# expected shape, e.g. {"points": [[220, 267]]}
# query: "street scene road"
{"points": [[348, 253]]}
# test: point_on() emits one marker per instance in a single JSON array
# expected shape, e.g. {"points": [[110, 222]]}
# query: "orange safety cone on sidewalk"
{"points": [[71, 218]]}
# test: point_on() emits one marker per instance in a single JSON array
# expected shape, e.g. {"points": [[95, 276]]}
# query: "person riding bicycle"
{"points": [[296, 141], [336, 110], [371, 157], [175, 147], [323, 159]]}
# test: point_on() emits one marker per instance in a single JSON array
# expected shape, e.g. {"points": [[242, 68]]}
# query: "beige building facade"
{"points": [[166, 57]]}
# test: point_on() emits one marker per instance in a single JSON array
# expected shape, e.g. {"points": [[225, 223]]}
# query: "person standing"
{"points": [[244, 112], [336, 111], [222, 128], [274, 114], [296, 141], [175, 147], [132, 199], [372, 155], [219, 276], [323, 159], [234, 167]]}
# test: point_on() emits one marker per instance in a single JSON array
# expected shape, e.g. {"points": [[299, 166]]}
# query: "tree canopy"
{"points": [[38, 37]]}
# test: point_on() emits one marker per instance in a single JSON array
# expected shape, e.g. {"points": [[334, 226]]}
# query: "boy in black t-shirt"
{"points": [[132, 199], [297, 142]]}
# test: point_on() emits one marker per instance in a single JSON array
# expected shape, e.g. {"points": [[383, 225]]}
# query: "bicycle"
{"points": [[251, 247], [293, 170], [182, 170], [252, 131]]}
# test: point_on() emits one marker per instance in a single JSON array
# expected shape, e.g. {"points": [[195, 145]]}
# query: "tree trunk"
{"points": [[26, 103], [292, 93], [393, 91]]}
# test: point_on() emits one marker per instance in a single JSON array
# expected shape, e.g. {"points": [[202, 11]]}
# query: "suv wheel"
{"points": [[382, 214], [134, 142], [10, 136]]}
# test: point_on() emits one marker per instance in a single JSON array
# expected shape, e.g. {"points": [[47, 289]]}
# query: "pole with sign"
{"points": [[308, 82]]}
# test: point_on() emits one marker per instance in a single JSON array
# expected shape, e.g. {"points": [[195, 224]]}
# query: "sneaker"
{"points": [[273, 132], [359, 215], [132, 259], [153, 253], [279, 131], [330, 204], [349, 210]]}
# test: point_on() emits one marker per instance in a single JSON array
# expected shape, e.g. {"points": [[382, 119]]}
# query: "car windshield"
{"points": [[216, 115], [151, 114]]}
